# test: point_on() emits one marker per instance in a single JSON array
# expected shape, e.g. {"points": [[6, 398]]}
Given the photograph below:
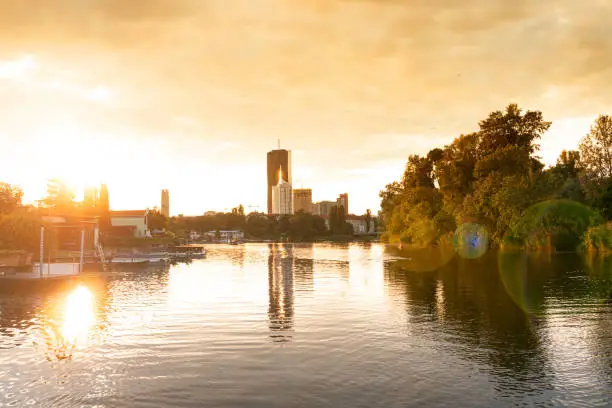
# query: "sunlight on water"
{"points": [[78, 316]]}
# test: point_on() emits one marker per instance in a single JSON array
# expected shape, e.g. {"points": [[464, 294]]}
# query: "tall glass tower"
{"points": [[278, 159]]}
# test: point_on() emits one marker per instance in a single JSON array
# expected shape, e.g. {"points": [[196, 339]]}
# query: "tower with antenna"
{"points": [[277, 159]]}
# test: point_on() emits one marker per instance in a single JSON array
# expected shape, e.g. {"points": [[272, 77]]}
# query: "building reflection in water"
{"points": [[281, 291], [303, 267]]}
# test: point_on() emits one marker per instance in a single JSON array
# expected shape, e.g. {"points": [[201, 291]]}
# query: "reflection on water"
{"points": [[280, 283], [76, 317], [319, 325]]}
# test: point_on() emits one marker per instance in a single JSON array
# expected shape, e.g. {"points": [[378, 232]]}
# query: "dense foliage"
{"points": [[20, 229], [493, 178]]}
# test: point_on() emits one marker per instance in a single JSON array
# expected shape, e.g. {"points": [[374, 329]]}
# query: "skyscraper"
{"points": [[278, 159], [302, 200], [165, 203], [282, 197]]}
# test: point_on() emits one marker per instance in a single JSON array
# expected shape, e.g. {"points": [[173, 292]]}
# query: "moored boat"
{"points": [[187, 252]]}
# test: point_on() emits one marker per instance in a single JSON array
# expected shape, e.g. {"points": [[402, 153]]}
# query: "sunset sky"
{"points": [[189, 95]]}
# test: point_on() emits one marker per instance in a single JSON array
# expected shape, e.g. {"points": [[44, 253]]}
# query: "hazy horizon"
{"points": [[190, 95]]}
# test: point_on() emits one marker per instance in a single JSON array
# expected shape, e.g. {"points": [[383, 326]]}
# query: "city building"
{"points": [[323, 208], [342, 200], [302, 200], [132, 223], [282, 197], [278, 159], [165, 203], [360, 225]]}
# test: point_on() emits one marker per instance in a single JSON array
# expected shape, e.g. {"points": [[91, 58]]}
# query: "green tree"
{"points": [[333, 219], [10, 198], [596, 156], [259, 225], [488, 177], [156, 220], [20, 230], [603, 201], [455, 171], [305, 226], [368, 219], [562, 181], [568, 163], [341, 215], [418, 172], [511, 127]]}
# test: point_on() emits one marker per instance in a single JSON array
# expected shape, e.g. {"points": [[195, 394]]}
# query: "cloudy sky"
{"points": [[190, 94]]}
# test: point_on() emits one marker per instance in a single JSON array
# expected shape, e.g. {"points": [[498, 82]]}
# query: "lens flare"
{"points": [[519, 280], [554, 225], [471, 240]]}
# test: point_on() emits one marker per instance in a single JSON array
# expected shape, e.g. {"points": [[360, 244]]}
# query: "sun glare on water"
{"points": [[78, 316]]}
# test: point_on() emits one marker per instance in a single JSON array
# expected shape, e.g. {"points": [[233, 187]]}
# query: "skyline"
{"points": [[145, 97]]}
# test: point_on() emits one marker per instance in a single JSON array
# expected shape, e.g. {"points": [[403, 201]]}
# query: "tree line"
{"points": [[20, 224], [300, 226], [494, 178]]}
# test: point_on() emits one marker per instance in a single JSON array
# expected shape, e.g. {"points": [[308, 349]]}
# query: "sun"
{"points": [[73, 155]]}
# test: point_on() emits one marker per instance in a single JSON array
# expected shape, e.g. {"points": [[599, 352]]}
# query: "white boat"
{"points": [[157, 258], [189, 251]]}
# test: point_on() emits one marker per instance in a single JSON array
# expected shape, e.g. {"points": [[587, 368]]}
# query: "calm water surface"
{"points": [[316, 326]]}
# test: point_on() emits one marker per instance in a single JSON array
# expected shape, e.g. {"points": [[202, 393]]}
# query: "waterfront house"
{"points": [[133, 222], [68, 229]]}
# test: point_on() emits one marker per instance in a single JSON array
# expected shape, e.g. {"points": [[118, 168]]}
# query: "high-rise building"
{"points": [[302, 200], [282, 197], [165, 203], [278, 159], [323, 208], [342, 200]]}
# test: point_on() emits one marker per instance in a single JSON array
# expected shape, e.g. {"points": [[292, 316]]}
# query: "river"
{"points": [[346, 325]]}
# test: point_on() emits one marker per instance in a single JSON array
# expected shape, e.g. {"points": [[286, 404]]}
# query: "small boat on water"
{"points": [[150, 258], [187, 252]]}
